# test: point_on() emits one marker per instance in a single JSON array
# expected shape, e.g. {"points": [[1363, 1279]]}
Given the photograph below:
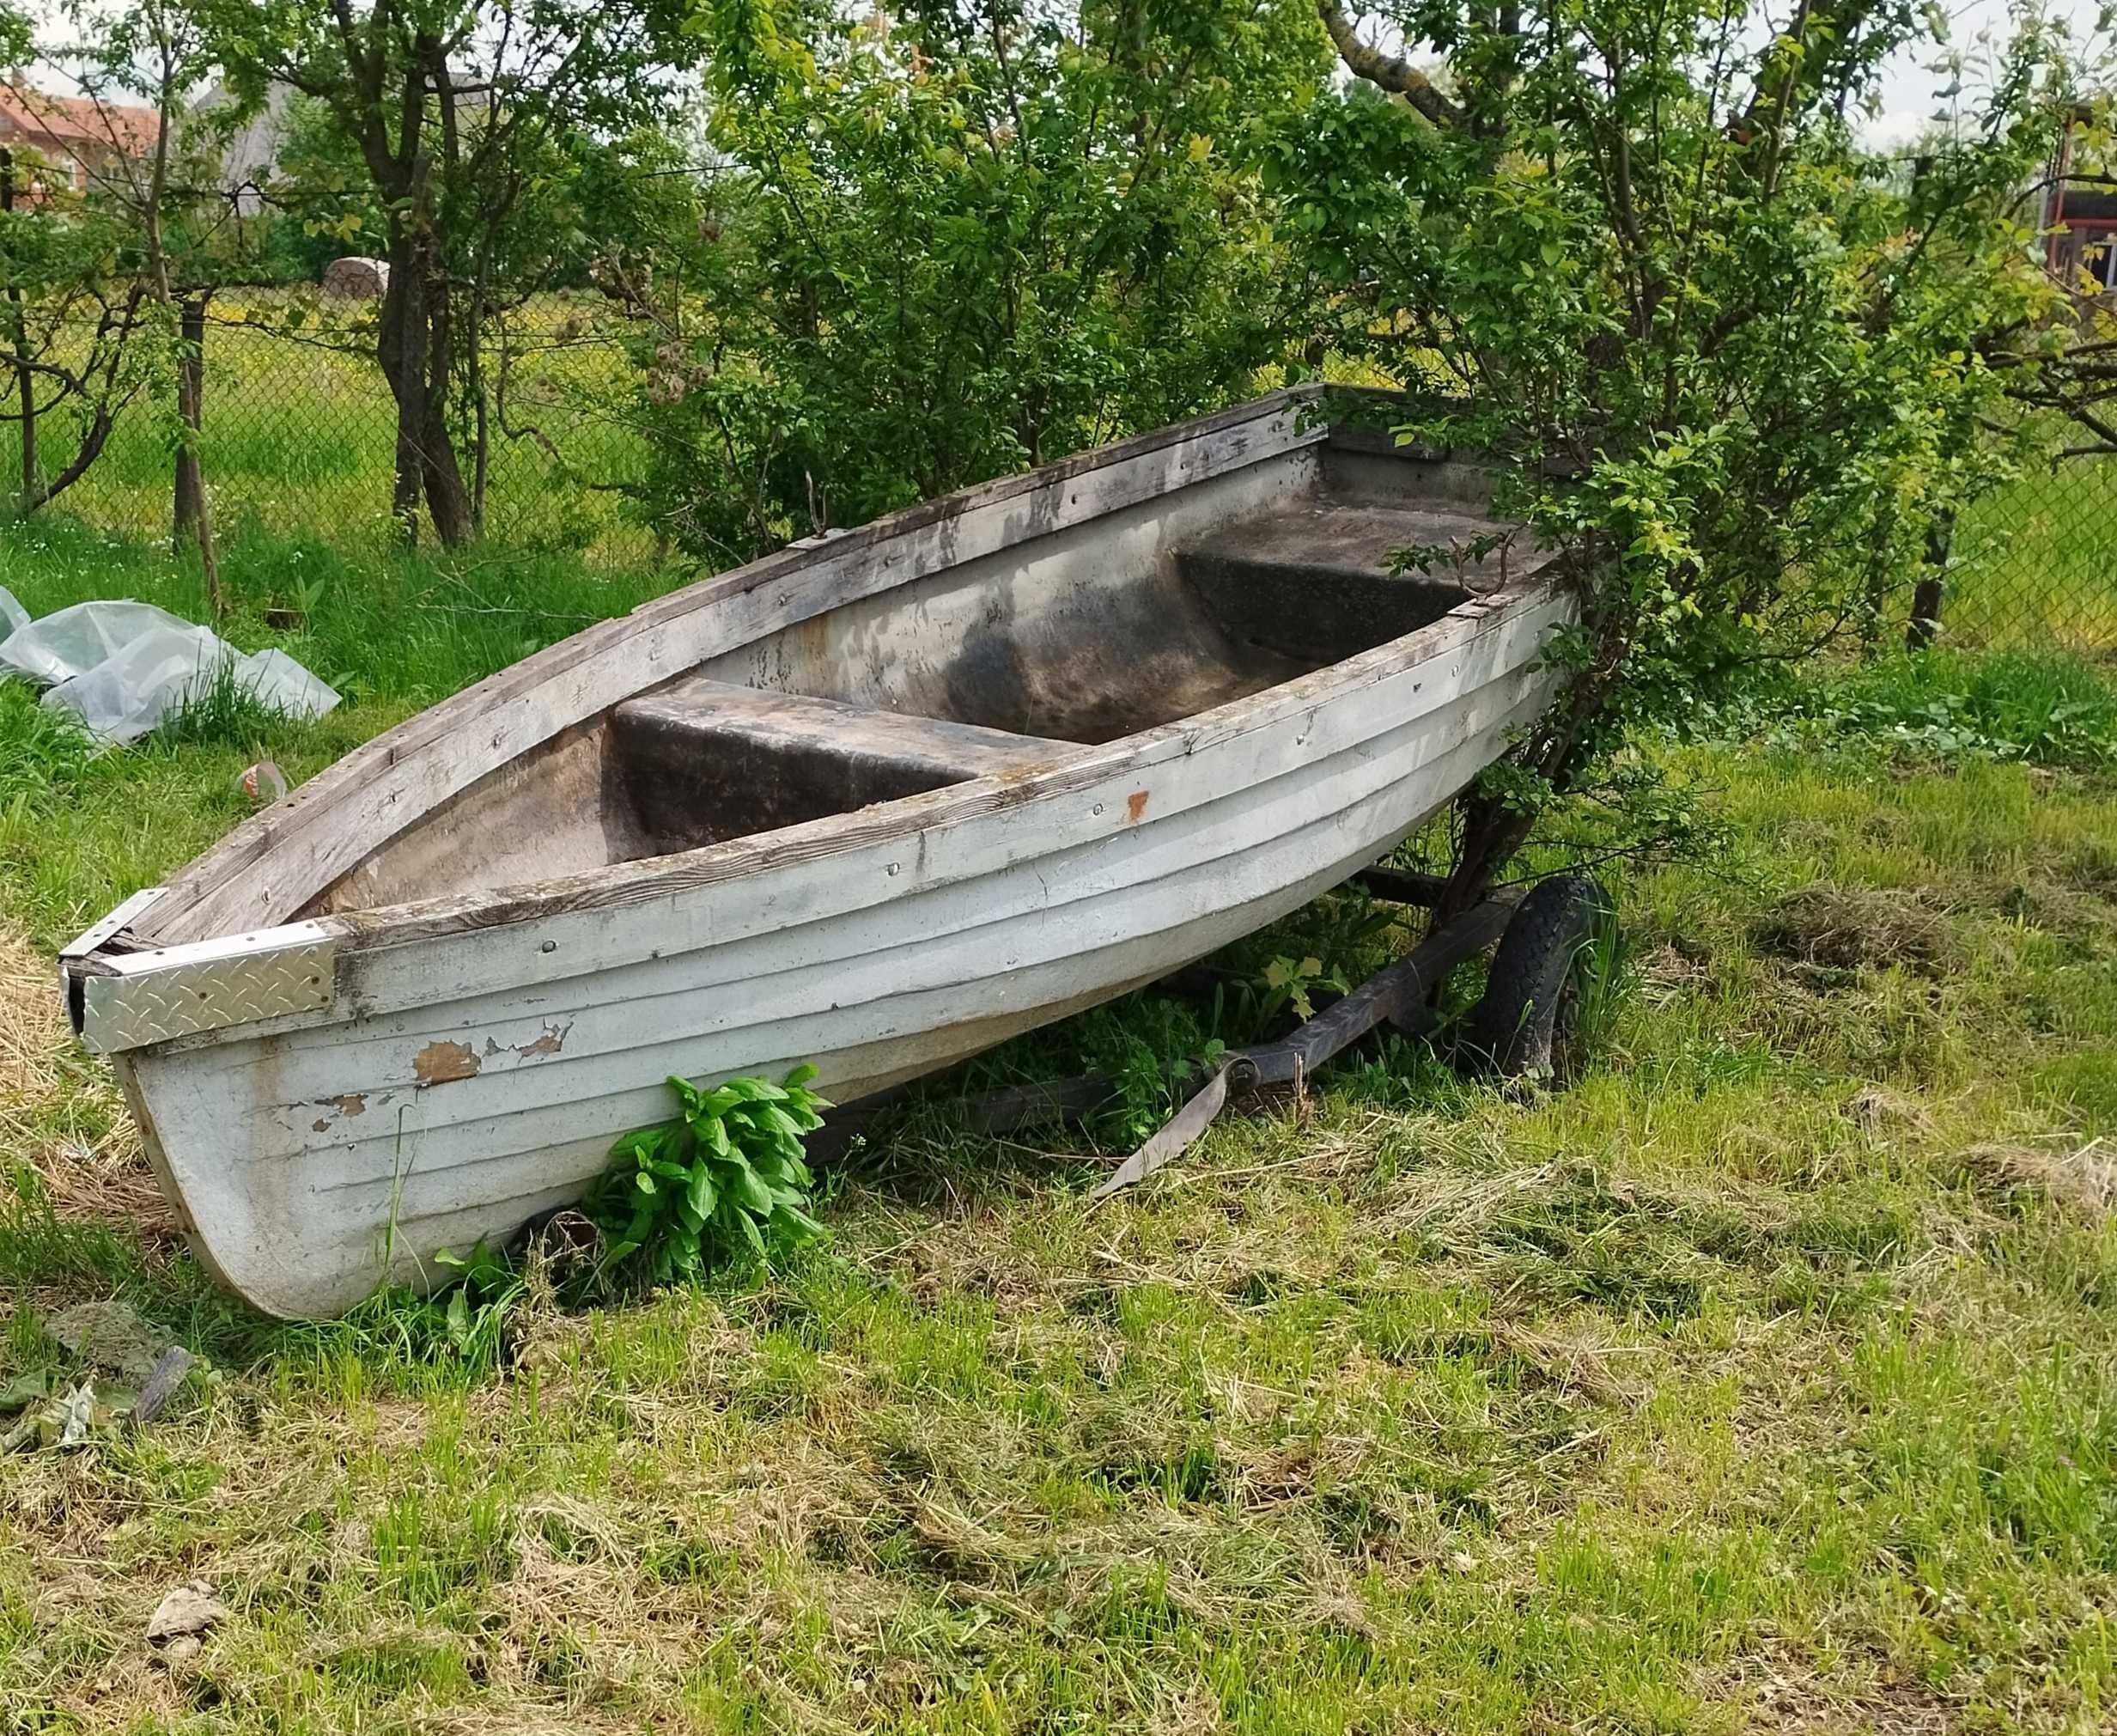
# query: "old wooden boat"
{"points": [[877, 802]]}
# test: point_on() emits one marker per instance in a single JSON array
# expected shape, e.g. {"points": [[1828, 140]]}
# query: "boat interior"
{"points": [[1146, 615]]}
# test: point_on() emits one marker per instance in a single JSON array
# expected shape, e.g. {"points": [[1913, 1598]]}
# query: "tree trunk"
{"points": [[18, 333], [413, 347], [1492, 833], [1926, 600], [191, 395], [400, 348], [166, 298], [447, 496]]}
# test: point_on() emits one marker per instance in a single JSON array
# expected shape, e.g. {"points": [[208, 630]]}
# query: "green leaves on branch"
{"points": [[1740, 368], [953, 241], [727, 1180]]}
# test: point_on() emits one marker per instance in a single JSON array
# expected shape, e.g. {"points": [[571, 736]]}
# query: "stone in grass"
{"points": [[111, 1335], [177, 1629], [33, 1387]]}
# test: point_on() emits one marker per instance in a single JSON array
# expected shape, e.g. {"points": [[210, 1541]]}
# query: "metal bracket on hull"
{"points": [[116, 922]]}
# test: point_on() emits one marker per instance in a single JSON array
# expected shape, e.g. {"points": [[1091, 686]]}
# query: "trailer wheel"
{"points": [[1526, 1023]]}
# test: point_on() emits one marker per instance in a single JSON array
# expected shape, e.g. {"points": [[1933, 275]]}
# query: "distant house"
{"points": [[2083, 238], [250, 153], [81, 139]]}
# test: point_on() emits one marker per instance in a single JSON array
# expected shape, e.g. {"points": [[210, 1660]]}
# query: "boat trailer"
{"points": [[1544, 935]]}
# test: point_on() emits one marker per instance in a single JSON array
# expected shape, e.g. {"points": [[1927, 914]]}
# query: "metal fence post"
{"points": [[190, 393]]}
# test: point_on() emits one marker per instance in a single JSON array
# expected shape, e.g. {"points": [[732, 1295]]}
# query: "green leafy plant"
{"points": [[1292, 983], [486, 1289], [727, 1179]]}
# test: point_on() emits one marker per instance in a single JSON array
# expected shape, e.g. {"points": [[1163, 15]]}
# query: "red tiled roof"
{"points": [[80, 120]]}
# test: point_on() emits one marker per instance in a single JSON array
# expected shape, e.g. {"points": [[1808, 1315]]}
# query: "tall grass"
{"points": [[2043, 707], [43, 752], [393, 634], [410, 628]]}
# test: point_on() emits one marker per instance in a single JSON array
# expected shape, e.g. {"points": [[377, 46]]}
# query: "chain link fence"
{"points": [[298, 432], [2034, 563]]}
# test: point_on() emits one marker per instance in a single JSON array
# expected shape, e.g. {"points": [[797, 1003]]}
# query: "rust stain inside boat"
{"points": [[1135, 804], [444, 1063]]}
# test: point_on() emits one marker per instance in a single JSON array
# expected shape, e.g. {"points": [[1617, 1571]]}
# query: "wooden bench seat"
{"points": [[1314, 582], [704, 760]]}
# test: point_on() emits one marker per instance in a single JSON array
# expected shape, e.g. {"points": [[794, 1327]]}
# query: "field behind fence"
{"points": [[299, 433], [2034, 563]]}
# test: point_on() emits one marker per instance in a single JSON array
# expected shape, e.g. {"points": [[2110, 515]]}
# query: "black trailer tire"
{"points": [[1522, 1026]]}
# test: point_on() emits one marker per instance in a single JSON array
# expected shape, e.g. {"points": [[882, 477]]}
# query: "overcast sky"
{"points": [[1911, 87], [1910, 91]]}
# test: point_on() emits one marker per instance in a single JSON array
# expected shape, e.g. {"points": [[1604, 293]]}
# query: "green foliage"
{"points": [[725, 1180], [486, 1289], [1291, 984], [1147, 1045], [44, 752], [1340, 939], [325, 204], [957, 241]]}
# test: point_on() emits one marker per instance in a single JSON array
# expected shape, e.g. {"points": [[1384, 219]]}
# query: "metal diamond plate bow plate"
{"points": [[128, 1012]]}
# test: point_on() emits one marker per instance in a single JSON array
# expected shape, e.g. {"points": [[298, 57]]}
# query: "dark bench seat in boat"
{"points": [[704, 760], [1314, 583]]}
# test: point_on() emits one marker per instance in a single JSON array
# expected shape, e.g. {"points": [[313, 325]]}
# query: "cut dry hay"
{"points": [[1827, 929], [2084, 1179], [1882, 1115], [61, 1116]]}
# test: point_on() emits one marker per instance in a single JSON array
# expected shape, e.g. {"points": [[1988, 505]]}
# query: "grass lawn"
{"points": [[1765, 1379]]}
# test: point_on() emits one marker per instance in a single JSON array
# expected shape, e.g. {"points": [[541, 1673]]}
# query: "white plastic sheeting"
{"points": [[125, 666], [73, 640], [13, 615]]}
